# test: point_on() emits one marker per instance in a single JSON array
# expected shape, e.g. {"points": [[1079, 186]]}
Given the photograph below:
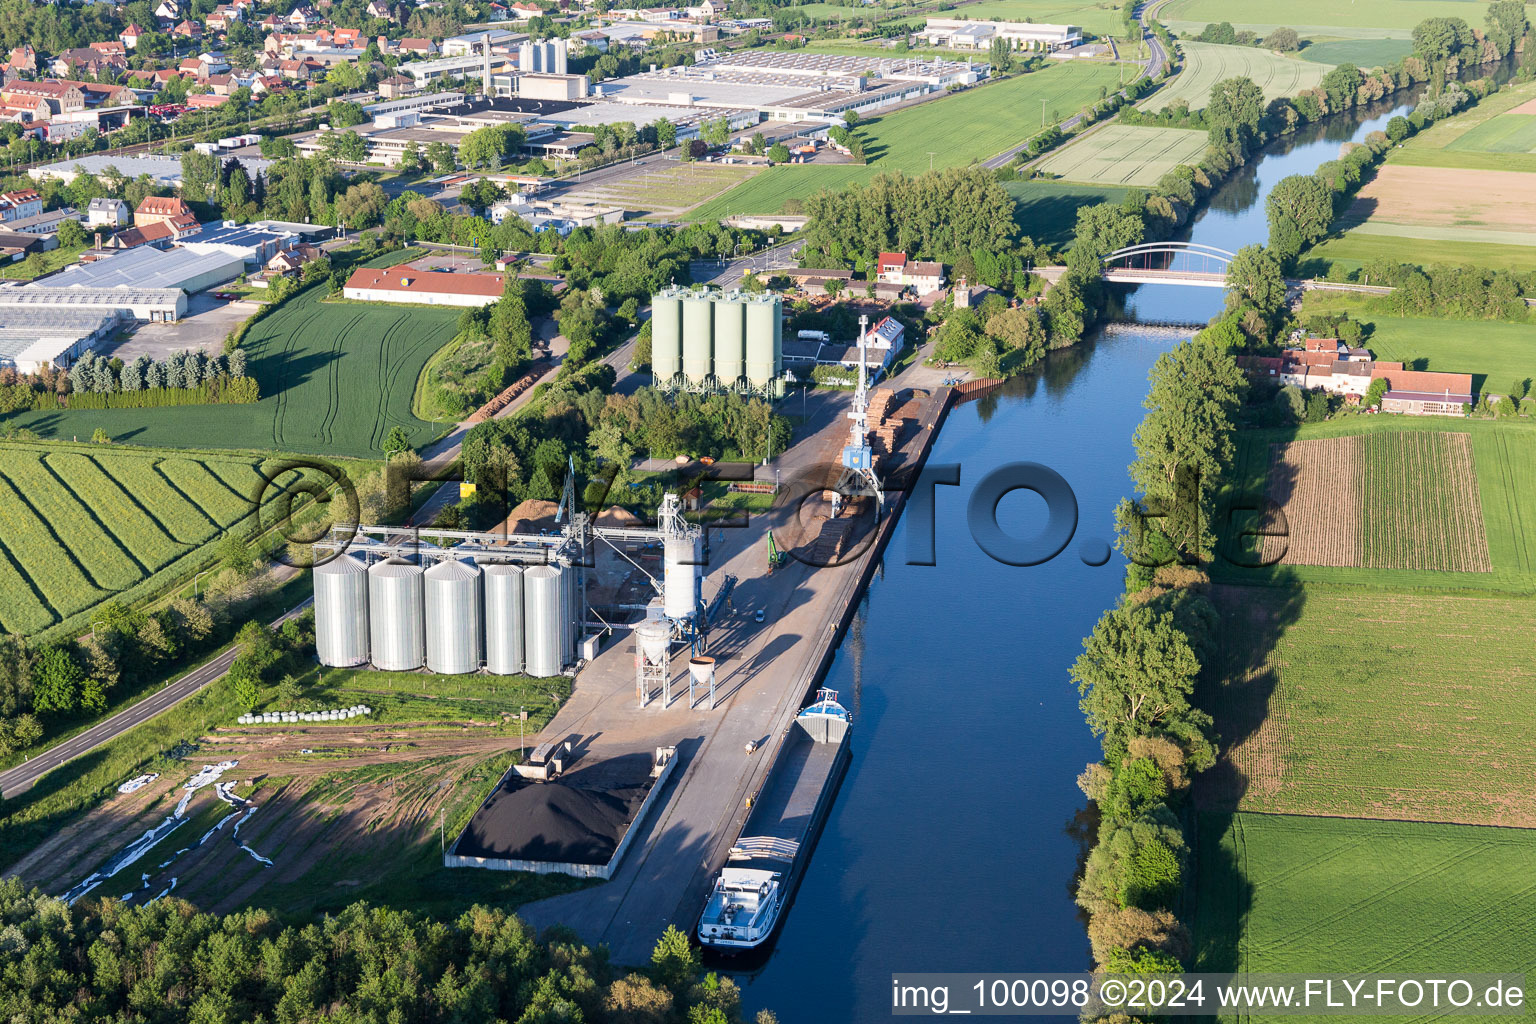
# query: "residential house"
{"points": [[220, 21], [304, 17], [1328, 364], [164, 210], [891, 266], [45, 222], [130, 36], [593, 38], [416, 47], [25, 110], [107, 212], [168, 11], [20, 204], [288, 263], [188, 30], [61, 97], [304, 70], [924, 277], [348, 37], [85, 60], [23, 59], [524, 12], [396, 86], [380, 9], [111, 48], [203, 101]]}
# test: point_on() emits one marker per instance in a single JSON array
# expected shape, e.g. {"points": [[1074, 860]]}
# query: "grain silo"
{"points": [[682, 575], [396, 615], [730, 347], [341, 612], [543, 619], [503, 619], [667, 334], [570, 593], [453, 604], [765, 341], [698, 329]]}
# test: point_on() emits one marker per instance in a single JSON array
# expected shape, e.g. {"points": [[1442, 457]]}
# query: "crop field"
{"points": [[1357, 703], [1495, 135], [1098, 18], [1497, 354], [1379, 501], [1503, 460], [1358, 247], [1362, 53], [1375, 897], [1205, 64], [974, 125], [82, 524], [335, 377], [1047, 210], [1120, 154], [1326, 17]]}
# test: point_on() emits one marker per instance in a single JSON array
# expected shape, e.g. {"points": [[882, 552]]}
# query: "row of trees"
{"points": [[102, 959], [1139, 667], [96, 382]]}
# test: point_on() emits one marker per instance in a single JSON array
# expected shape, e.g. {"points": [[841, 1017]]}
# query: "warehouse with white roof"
{"points": [[34, 337]]}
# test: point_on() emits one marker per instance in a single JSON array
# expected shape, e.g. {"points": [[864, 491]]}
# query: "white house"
{"points": [[107, 212]]}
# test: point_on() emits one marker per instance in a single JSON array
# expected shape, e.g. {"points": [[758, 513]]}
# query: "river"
{"points": [[958, 832]]}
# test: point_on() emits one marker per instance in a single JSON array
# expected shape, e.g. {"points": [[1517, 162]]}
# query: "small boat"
{"points": [[764, 866]]}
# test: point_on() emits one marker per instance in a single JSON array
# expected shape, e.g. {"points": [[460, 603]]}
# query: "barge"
{"points": [[750, 895]]}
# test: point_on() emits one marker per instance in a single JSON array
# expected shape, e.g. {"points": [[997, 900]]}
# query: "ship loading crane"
{"points": [[858, 476]]}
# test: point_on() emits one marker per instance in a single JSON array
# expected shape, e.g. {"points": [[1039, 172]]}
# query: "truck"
{"points": [[815, 336]]}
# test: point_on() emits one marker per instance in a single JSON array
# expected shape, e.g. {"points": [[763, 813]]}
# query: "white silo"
{"points": [[730, 345], [543, 619], [698, 323], [503, 619], [682, 575], [765, 340], [396, 620], [341, 612], [453, 601], [667, 334]]}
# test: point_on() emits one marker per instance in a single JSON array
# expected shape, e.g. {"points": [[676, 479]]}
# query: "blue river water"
{"points": [[958, 832]]}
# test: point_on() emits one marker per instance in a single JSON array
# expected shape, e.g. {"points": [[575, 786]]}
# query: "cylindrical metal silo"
{"points": [[730, 347], [667, 334], [570, 591], [543, 618], [764, 345], [453, 600], [503, 619], [341, 612], [698, 320], [682, 568], [396, 615]]}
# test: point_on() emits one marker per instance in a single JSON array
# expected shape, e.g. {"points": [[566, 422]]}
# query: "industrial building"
{"points": [[428, 287], [153, 304], [162, 170], [187, 268], [33, 338], [967, 34], [717, 341]]}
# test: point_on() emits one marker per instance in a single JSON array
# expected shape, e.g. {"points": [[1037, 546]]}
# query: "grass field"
{"points": [[1326, 17], [80, 524], [1047, 210], [1206, 64], [1495, 135], [960, 129], [335, 377], [1504, 457], [1379, 704], [1120, 154], [1496, 354], [1363, 53], [1355, 249], [667, 190], [1098, 18], [1321, 894]]}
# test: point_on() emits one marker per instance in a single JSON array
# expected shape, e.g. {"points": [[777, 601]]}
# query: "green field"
{"points": [[959, 129], [1488, 137], [80, 524], [1099, 19], [1205, 64], [1504, 457], [1496, 354], [1119, 154], [1047, 210], [1355, 248], [335, 377], [1322, 894], [1363, 53], [1325, 17], [1353, 702]]}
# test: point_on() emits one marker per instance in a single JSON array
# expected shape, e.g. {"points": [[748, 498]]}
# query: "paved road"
{"points": [[24, 776], [729, 273]]}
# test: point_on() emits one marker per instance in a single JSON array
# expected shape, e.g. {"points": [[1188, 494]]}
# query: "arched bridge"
{"points": [[1204, 266]]}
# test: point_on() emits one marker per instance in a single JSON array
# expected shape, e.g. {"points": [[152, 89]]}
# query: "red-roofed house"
{"points": [[433, 288], [890, 267], [417, 47], [166, 210], [130, 36], [188, 30], [1326, 364]]}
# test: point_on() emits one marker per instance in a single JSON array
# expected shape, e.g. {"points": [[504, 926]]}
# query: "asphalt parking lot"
{"points": [[205, 326]]}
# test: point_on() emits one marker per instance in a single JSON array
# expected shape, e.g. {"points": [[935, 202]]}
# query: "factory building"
{"points": [[547, 57], [162, 170], [33, 338], [717, 341], [186, 268], [965, 34], [153, 304], [428, 287]]}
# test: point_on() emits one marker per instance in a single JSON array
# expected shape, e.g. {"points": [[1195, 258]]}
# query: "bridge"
{"points": [[1187, 263]]}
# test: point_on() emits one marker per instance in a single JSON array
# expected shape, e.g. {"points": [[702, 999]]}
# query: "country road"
{"points": [[25, 775]]}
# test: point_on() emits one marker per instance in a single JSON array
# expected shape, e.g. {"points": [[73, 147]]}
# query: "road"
{"points": [[24, 776], [727, 274], [1157, 59]]}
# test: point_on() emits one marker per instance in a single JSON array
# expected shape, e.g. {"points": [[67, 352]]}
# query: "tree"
{"points": [[674, 961], [1375, 393], [1300, 208], [1184, 444], [491, 146], [1437, 39], [1283, 39], [361, 205], [778, 153], [71, 233], [56, 682], [1234, 111], [344, 114], [397, 441], [1135, 676], [247, 695], [1254, 277], [440, 156], [100, 436]]}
